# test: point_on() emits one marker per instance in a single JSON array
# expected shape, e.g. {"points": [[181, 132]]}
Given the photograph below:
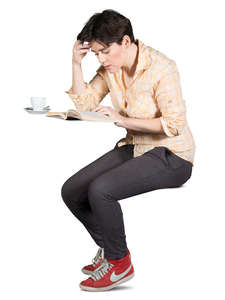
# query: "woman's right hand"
{"points": [[79, 51]]}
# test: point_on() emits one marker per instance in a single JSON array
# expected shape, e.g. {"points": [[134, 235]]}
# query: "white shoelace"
{"points": [[101, 270], [99, 256]]}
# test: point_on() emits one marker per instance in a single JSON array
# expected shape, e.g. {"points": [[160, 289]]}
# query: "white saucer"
{"points": [[43, 111]]}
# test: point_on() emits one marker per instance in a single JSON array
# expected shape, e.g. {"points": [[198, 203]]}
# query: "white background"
{"points": [[176, 236]]}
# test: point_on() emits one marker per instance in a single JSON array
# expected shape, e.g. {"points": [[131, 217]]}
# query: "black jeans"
{"points": [[93, 192]]}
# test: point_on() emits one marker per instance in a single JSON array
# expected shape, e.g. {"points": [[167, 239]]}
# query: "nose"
{"points": [[101, 59]]}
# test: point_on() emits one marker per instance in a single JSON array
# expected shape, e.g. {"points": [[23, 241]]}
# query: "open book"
{"points": [[82, 115]]}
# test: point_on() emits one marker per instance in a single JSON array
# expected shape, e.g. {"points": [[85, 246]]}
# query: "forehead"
{"points": [[96, 46]]}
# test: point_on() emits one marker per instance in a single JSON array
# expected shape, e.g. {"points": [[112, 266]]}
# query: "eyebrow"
{"points": [[100, 49]]}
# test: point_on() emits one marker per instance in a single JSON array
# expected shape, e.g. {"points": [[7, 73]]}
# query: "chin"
{"points": [[114, 69]]}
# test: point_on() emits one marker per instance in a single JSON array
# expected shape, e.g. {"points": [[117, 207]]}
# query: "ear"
{"points": [[126, 41]]}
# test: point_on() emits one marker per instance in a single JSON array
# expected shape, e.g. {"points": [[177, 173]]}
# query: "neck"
{"points": [[131, 61]]}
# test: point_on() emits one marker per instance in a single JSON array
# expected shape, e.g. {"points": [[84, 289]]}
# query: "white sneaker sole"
{"points": [[91, 289]]}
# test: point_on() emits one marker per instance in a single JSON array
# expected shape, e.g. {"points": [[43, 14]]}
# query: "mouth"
{"points": [[107, 67]]}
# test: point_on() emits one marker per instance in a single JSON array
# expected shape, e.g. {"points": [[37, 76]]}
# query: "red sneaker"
{"points": [[96, 261], [109, 274]]}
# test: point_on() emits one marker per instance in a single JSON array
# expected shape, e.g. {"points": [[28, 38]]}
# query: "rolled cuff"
{"points": [[165, 128], [80, 96]]}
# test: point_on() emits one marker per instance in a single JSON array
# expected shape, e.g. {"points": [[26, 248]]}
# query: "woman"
{"points": [[158, 149]]}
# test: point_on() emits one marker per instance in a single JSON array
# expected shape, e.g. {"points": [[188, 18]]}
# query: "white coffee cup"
{"points": [[38, 103]]}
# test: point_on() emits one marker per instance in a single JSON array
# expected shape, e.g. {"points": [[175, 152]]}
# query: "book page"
{"points": [[95, 115], [56, 114]]}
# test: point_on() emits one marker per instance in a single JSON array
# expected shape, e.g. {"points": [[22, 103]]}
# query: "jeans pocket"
{"points": [[175, 161], [159, 153]]}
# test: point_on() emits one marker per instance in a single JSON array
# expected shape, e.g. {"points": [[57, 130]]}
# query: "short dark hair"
{"points": [[106, 27]]}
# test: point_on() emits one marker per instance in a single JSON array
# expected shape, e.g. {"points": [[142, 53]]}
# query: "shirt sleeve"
{"points": [[168, 95], [94, 92]]}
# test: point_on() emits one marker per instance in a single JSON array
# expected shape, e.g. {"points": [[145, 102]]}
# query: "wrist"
{"points": [[125, 120], [76, 64]]}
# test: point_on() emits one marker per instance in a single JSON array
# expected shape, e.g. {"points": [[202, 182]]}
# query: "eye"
{"points": [[103, 53]]}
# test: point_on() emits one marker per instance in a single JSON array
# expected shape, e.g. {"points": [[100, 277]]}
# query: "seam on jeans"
{"points": [[154, 155], [185, 161], [157, 174], [167, 165], [148, 177]]}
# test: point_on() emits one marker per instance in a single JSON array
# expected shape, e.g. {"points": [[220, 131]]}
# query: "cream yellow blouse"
{"points": [[155, 92]]}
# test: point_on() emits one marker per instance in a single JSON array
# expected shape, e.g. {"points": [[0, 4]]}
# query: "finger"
{"points": [[103, 111], [84, 46], [83, 51], [99, 108]]}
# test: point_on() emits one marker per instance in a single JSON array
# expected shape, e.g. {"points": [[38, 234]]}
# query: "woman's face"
{"points": [[112, 56]]}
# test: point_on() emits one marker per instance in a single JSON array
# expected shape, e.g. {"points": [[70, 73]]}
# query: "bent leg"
{"points": [[156, 169], [75, 190]]}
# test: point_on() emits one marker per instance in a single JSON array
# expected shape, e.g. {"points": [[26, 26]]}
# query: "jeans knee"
{"points": [[97, 190], [64, 192], [73, 194], [67, 192]]}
